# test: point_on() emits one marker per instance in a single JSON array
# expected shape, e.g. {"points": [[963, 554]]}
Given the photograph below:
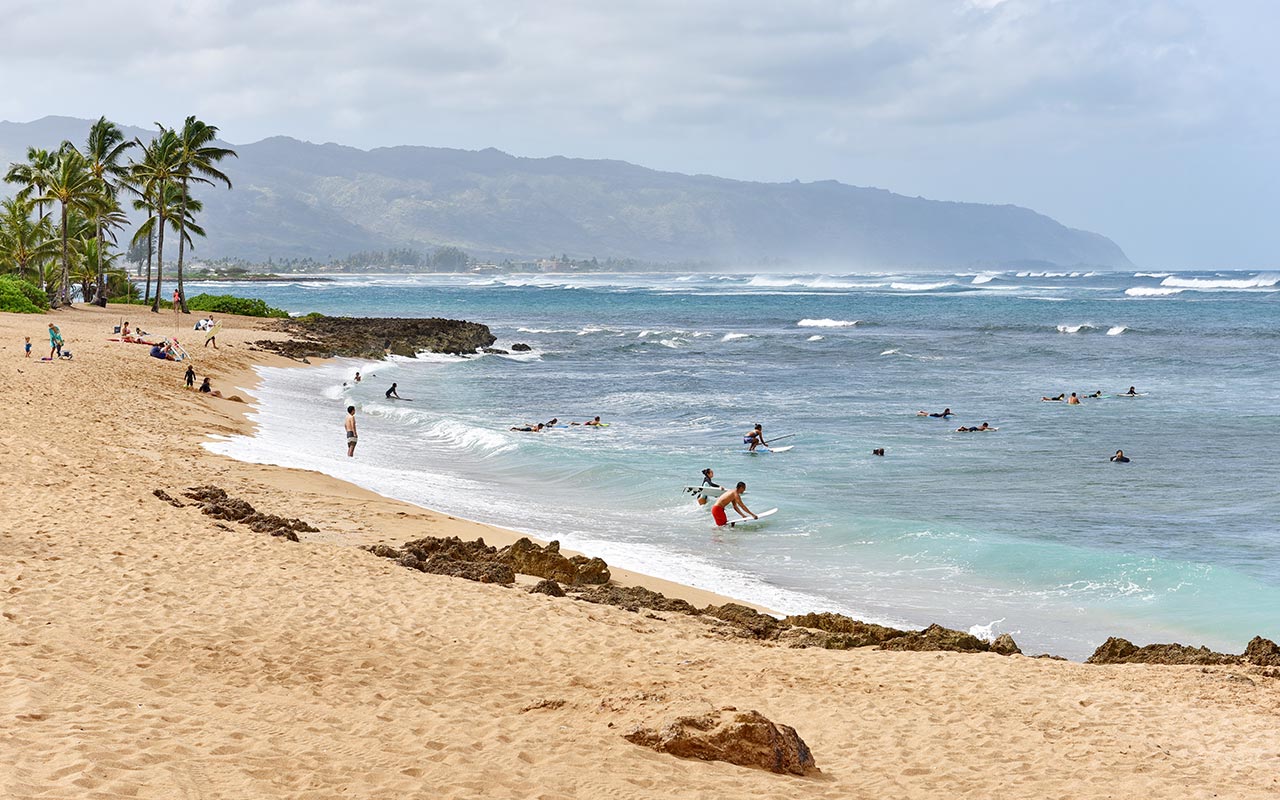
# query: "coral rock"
{"points": [[547, 586], [936, 637], [746, 738]]}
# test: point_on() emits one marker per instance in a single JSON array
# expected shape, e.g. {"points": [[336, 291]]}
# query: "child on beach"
{"points": [[27, 346], [191, 376]]}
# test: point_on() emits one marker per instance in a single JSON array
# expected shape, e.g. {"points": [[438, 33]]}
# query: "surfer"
{"points": [[529, 428], [1120, 457], [708, 482], [1133, 392], [755, 438], [190, 376], [1095, 394], [591, 423], [732, 497], [946, 412], [1057, 399], [551, 423], [392, 392], [357, 378], [1073, 400], [350, 425], [975, 428]]}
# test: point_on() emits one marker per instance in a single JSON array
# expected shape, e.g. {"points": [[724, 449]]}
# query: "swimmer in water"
{"points": [[1095, 394], [732, 497], [976, 428], [946, 412], [1073, 400], [1120, 457], [529, 428], [1057, 399]]}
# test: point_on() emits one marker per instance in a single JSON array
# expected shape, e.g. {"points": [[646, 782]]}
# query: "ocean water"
{"points": [[1028, 530]]}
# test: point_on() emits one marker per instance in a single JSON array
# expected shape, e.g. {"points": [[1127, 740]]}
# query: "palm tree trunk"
{"points": [[102, 289], [155, 303], [150, 242], [182, 230], [65, 284]]}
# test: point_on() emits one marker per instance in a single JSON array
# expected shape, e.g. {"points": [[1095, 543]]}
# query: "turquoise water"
{"points": [[1028, 530]]}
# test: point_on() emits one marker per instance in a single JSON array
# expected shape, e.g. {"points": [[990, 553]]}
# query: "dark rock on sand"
{"points": [[450, 547], [547, 586], [591, 571], [1262, 652], [745, 738], [528, 558], [1122, 651], [634, 598], [215, 502], [368, 337], [748, 620], [480, 571], [165, 496], [846, 632], [521, 347], [1005, 646], [936, 637]]}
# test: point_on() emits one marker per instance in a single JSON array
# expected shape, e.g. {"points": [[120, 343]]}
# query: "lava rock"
{"points": [[1005, 646], [936, 637], [634, 598], [751, 622], [547, 586], [318, 336], [1262, 652], [745, 738], [521, 347], [1122, 651], [849, 632]]}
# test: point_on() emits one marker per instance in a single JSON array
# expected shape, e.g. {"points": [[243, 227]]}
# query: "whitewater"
{"points": [[1029, 530]]}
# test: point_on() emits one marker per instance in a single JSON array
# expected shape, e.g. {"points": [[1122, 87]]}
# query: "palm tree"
{"points": [[25, 242], [197, 159], [177, 212], [73, 186], [33, 177], [151, 179], [103, 151]]}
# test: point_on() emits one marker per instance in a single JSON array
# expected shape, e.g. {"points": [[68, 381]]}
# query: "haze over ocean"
{"points": [[1028, 530]]}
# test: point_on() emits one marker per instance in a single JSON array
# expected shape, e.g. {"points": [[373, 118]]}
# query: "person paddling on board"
{"points": [[528, 428], [552, 422], [1095, 395], [946, 412], [1057, 399], [732, 497], [392, 392], [1120, 457], [591, 423], [755, 438], [1133, 392], [1073, 400]]}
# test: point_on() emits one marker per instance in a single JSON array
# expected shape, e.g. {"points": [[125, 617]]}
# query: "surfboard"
{"points": [[733, 523], [764, 450], [406, 399], [707, 491], [1139, 394]]}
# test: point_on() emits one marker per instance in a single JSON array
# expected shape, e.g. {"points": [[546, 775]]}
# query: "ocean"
{"points": [[1028, 530]]}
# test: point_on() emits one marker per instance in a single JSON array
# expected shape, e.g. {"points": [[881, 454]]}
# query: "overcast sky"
{"points": [[1153, 122]]}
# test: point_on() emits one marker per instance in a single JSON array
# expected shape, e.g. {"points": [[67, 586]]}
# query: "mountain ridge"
{"points": [[295, 198]]}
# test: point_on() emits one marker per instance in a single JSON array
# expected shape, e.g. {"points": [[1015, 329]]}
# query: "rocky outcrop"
{"points": [[747, 621], [548, 587], [842, 633], [478, 561], [528, 558], [745, 738], [936, 637], [318, 336], [520, 347], [634, 598], [1005, 645], [218, 504], [1260, 652]]}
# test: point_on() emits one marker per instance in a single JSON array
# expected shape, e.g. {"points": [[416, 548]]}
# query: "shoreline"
{"points": [[154, 652]]}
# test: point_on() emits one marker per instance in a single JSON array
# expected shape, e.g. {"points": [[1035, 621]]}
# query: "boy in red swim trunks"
{"points": [[734, 497]]}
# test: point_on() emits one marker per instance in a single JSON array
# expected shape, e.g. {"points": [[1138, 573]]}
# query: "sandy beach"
{"points": [[152, 652]]}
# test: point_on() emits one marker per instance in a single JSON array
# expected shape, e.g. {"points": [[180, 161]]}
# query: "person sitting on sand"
{"points": [[1120, 457], [392, 392], [946, 412], [528, 428], [205, 388], [1073, 400], [755, 438], [1057, 399], [975, 428], [732, 497], [126, 335]]}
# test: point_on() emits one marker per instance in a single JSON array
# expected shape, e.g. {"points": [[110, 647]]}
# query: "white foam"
{"points": [[729, 337], [1151, 291], [814, 338], [1075, 328], [987, 632], [1206, 284], [984, 277], [827, 323], [903, 286], [1116, 330], [1152, 274]]}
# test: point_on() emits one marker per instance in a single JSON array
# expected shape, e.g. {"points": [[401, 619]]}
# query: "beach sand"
{"points": [[150, 652]]}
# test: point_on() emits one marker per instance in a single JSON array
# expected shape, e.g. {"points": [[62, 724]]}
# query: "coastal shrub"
{"points": [[21, 297], [230, 304]]}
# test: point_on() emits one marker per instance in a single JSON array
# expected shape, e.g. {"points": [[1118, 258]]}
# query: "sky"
{"points": [[1153, 122]]}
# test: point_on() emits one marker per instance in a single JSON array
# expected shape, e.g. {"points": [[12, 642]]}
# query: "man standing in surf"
{"points": [[350, 425], [733, 496]]}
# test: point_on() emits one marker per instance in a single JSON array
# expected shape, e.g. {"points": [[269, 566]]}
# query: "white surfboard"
{"points": [[707, 491], [761, 450], [733, 523]]}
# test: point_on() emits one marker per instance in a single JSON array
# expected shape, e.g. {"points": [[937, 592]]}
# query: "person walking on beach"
{"points": [[350, 426], [55, 341], [191, 376], [732, 497], [212, 335], [27, 346]]}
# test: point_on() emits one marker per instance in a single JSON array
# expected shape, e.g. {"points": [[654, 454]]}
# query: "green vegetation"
{"points": [[75, 250], [230, 304], [21, 297]]}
